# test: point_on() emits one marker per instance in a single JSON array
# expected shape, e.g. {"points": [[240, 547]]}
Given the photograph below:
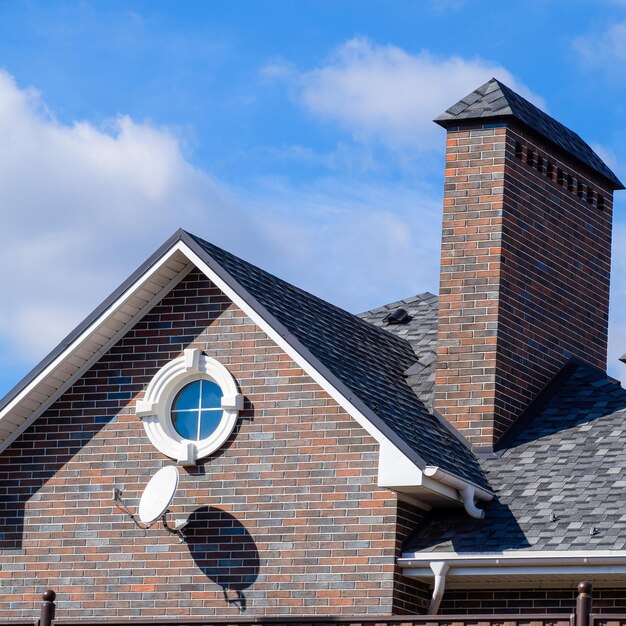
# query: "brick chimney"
{"points": [[525, 261]]}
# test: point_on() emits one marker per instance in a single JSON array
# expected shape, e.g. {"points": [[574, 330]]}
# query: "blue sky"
{"points": [[296, 134]]}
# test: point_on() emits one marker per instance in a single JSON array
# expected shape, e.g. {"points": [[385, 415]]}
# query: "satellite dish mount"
{"points": [[154, 503]]}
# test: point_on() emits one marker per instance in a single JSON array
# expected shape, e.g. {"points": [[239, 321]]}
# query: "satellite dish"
{"points": [[155, 500], [158, 494]]}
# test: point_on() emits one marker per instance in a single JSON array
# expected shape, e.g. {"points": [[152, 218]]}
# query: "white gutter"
{"points": [[467, 491], [572, 571], [521, 558], [541, 564]]}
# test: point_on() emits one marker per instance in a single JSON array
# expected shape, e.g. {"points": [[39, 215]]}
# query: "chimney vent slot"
{"points": [[540, 164], [574, 185]]}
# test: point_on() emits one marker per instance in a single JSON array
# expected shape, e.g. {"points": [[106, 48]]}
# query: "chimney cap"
{"points": [[494, 100]]}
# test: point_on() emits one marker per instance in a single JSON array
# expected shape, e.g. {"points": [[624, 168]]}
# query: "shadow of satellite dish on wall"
{"points": [[224, 551]]}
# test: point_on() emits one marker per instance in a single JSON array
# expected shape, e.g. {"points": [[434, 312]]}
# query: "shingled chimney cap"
{"points": [[495, 101]]}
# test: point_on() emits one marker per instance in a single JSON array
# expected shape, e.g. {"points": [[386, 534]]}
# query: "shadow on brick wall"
{"points": [[31, 461], [225, 552]]}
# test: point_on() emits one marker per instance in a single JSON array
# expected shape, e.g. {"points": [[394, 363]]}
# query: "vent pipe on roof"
{"points": [[397, 316]]}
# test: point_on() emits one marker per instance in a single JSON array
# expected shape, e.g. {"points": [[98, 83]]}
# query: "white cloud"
{"points": [[385, 93], [82, 206], [603, 49], [358, 246], [278, 69]]}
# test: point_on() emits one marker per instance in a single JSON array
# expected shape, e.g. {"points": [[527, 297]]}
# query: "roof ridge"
{"points": [[363, 323], [573, 367], [540, 401], [409, 300]]}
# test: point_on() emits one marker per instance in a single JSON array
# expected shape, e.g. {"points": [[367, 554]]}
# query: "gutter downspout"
{"points": [[439, 569], [467, 491]]}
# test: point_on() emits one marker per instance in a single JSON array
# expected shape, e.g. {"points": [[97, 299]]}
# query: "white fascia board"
{"points": [[524, 568], [563, 571], [393, 463], [397, 472], [395, 469], [513, 559], [75, 344]]}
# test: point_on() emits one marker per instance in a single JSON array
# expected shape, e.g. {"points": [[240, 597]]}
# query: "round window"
{"points": [[197, 410], [190, 407]]}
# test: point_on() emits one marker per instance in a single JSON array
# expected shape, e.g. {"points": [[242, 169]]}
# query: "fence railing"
{"points": [[558, 619], [582, 617], [608, 620]]}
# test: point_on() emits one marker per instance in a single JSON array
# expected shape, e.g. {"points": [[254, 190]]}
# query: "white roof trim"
{"points": [[516, 558], [94, 341], [387, 464], [501, 570], [66, 368], [541, 568]]}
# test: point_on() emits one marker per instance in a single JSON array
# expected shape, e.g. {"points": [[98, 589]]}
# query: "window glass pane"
{"points": [[209, 422], [186, 424], [211, 395], [188, 397]]}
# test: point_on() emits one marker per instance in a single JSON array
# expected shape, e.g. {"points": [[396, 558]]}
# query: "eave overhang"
{"points": [[400, 467], [544, 568]]}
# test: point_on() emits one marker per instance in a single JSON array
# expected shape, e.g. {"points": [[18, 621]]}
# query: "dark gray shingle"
{"points": [[496, 100], [420, 330], [368, 360], [561, 476]]}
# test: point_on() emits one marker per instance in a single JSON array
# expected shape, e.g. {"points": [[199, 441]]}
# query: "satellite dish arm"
{"points": [[174, 530], [117, 496]]}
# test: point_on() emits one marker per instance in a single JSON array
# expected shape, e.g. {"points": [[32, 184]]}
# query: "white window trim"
{"points": [[155, 408]]}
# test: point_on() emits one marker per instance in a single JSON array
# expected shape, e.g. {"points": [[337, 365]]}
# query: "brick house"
{"points": [[460, 453]]}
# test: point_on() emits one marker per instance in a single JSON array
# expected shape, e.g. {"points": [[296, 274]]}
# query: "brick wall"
{"points": [[524, 275], [409, 595], [286, 517], [484, 601]]}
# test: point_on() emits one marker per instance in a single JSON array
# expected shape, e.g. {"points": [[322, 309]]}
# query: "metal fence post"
{"points": [[47, 608], [583, 603]]}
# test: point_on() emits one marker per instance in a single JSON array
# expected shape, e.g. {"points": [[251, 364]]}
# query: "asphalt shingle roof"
{"points": [[420, 330], [496, 100], [370, 361], [560, 483]]}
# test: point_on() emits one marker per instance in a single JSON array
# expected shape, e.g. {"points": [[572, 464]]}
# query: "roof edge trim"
{"points": [[63, 350], [294, 348], [342, 394], [502, 559]]}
